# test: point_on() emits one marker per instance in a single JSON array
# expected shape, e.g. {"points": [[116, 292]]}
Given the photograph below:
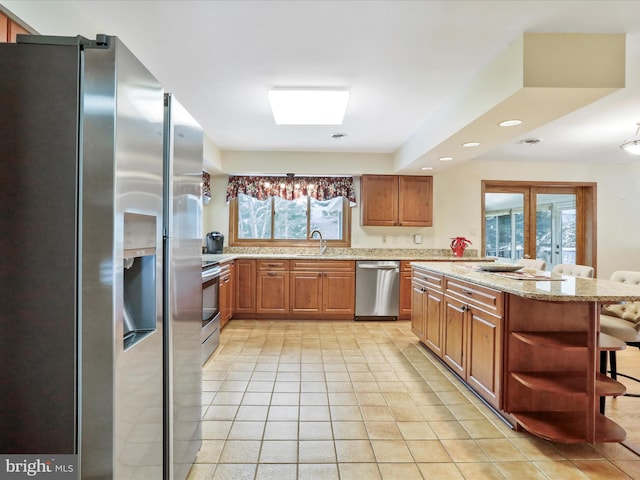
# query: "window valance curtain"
{"points": [[206, 184], [289, 188]]}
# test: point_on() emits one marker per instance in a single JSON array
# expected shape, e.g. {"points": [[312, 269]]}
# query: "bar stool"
{"points": [[607, 343], [534, 263], [622, 322], [573, 270]]}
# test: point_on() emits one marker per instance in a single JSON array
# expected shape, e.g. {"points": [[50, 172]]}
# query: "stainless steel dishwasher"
{"points": [[377, 289]]}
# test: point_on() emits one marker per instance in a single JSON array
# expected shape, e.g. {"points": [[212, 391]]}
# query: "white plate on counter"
{"points": [[500, 267]]}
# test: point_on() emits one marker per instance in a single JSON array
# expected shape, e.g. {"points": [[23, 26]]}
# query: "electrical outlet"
{"points": [[384, 239]]}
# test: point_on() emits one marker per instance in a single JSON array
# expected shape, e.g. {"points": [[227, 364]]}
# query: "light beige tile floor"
{"points": [[625, 410], [364, 400]]}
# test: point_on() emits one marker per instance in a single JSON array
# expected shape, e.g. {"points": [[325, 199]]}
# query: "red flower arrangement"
{"points": [[458, 244]]}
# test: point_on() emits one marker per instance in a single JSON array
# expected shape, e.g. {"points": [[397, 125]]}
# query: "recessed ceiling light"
{"points": [[445, 159], [308, 106], [471, 144], [426, 168], [510, 123]]}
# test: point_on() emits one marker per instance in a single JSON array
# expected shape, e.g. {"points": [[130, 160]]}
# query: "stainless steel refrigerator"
{"points": [[84, 365]]}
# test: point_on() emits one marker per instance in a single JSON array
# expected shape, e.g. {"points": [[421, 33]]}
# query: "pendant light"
{"points": [[633, 146]]}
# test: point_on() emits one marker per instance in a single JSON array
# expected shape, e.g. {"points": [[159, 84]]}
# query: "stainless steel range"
{"points": [[210, 308]]}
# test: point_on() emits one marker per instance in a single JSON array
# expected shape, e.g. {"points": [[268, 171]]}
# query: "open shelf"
{"points": [[569, 383], [569, 427], [558, 340], [565, 383]]}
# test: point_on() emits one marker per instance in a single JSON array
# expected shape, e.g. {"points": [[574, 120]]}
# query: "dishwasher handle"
{"points": [[379, 267]]}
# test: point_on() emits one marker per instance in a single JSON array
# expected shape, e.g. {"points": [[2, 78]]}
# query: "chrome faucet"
{"points": [[323, 243]]}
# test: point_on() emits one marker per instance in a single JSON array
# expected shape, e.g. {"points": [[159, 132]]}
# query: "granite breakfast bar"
{"points": [[525, 342]]}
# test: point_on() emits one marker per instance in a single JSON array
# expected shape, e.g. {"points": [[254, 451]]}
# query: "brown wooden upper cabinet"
{"points": [[396, 200], [9, 29], [4, 28]]}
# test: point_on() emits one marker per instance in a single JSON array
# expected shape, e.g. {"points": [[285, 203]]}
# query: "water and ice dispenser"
{"points": [[139, 278]]}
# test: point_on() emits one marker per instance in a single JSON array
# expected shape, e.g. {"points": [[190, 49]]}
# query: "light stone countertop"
{"points": [[345, 254], [568, 289]]}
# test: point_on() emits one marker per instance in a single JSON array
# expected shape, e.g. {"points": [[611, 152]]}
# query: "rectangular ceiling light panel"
{"points": [[308, 106]]}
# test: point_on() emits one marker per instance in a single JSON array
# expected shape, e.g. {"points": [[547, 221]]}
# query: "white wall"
{"points": [[305, 163], [457, 208], [216, 212]]}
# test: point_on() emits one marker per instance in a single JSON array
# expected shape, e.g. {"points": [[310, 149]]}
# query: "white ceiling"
{"points": [[402, 61]]}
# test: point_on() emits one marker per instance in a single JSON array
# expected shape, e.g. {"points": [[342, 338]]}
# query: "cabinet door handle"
{"points": [[272, 265], [467, 292], [272, 274]]}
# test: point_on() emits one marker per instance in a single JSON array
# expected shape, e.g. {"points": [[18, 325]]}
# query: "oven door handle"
{"points": [[211, 274]]}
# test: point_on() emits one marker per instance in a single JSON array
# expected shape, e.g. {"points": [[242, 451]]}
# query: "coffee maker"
{"points": [[214, 242]]}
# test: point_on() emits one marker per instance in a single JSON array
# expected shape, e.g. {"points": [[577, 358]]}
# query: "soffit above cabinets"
{"points": [[538, 79]]}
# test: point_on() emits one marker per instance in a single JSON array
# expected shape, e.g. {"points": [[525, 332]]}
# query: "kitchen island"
{"points": [[525, 342]]}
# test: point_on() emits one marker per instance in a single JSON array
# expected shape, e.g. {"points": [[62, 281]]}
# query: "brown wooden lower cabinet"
{"points": [[245, 289], [484, 365], [226, 293], [418, 306], [472, 344], [338, 294], [404, 310], [303, 289], [454, 348], [323, 289], [426, 309], [306, 293], [272, 287], [272, 293]]}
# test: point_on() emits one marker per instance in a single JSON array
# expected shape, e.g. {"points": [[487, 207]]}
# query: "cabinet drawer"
{"points": [[280, 265], [427, 278], [324, 265], [482, 297]]}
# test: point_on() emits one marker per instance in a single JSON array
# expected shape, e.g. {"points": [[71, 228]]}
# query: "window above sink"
{"points": [[260, 215]]}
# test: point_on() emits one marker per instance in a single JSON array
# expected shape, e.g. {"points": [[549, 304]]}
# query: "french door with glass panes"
{"points": [[550, 221]]}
